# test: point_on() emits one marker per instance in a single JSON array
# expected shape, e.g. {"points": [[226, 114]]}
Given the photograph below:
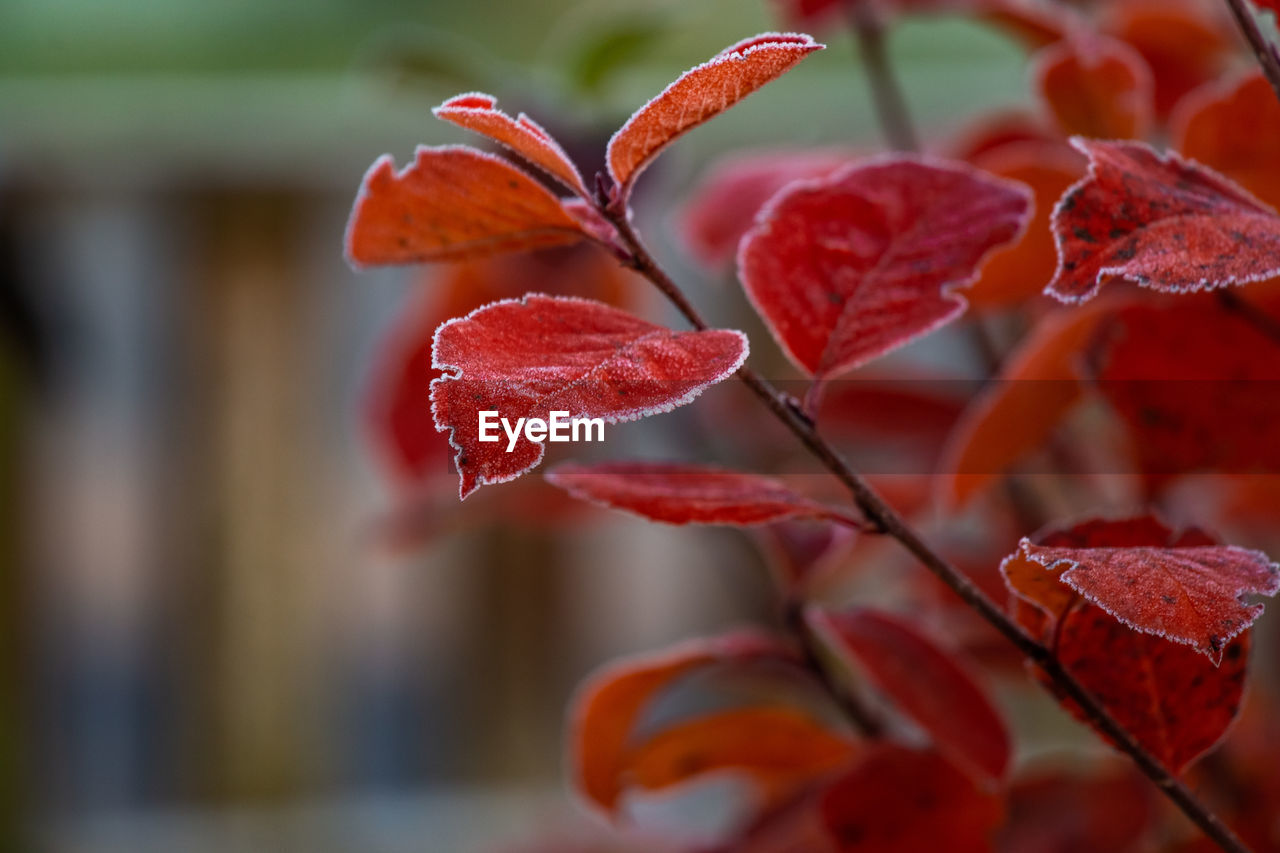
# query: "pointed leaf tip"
{"points": [[699, 94], [479, 112]]}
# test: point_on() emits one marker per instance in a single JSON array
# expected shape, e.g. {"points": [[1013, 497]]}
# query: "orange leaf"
{"points": [[452, 203], [1098, 87], [699, 94], [1236, 130], [610, 702], [1020, 272], [996, 130], [1182, 45], [1035, 389], [779, 748], [477, 111]]}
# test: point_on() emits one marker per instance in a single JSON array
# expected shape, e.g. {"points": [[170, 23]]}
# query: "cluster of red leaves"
{"points": [[1150, 620], [846, 260], [811, 778]]}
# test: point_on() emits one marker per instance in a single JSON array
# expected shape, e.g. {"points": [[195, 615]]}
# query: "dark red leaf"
{"points": [[610, 702], [1096, 86], [1268, 5], [898, 800], [1163, 222], [1059, 813], [701, 93], [1191, 595], [479, 112], [846, 268], [1236, 130], [1174, 701], [689, 494], [1196, 383], [724, 204], [780, 749], [450, 204], [924, 680], [527, 358]]}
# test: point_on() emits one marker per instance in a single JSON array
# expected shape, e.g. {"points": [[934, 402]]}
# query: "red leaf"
{"points": [[688, 494], [1191, 595], [1037, 386], [452, 203], [477, 111], [399, 410], [1096, 86], [1183, 46], [699, 94], [527, 358], [1020, 271], [1163, 222], [1268, 5], [780, 749], [1236, 130], [925, 681], [1059, 813], [1195, 383], [897, 800], [610, 702], [1174, 701], [849, 267], [1042, 587], [724, 204]]}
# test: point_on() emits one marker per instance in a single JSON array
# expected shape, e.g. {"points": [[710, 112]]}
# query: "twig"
{"points": [[878, 512], [886, 93], [1261, 321], [1267, 54], [864, 718]]}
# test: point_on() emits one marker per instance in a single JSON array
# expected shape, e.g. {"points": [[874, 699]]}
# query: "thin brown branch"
{"points": [[1261, 321], [886, 92], [864, 718], [1266, 52], [881, 514]]}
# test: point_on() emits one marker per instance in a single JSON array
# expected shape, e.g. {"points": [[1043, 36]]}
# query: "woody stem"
{"points": [[886, 92], [890, 523], [1267, 53]]}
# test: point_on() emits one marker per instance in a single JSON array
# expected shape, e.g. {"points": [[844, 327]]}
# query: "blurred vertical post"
{"points": [[254, 589]]}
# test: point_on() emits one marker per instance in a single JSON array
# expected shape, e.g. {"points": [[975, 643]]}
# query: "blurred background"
{"points": [[210, 641]]}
